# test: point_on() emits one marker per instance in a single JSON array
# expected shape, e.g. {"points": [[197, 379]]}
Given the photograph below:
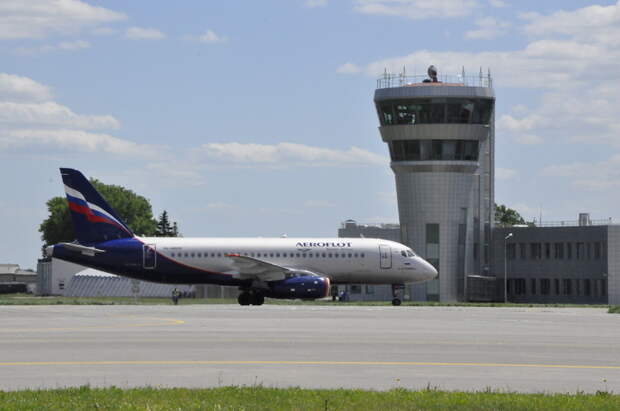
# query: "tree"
{"points": [[132, 208], [505, 216], [164, 228]]}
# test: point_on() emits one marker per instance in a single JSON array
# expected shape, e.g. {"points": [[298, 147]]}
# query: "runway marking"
{"points": [[363, 363], [163, 321]]}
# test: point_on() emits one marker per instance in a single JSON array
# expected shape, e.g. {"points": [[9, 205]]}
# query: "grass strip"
{"points": [[614, 309], [28, 299], [261, 398]]}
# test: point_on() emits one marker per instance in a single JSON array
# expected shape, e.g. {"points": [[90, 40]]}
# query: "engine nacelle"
{"points": [[304, 287]]}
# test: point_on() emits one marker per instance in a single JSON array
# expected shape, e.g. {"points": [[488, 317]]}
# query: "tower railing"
{"points": [[388, 80]]}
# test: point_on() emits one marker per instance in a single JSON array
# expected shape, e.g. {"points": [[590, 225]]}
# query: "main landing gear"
{"points": [[251, 298], [396, 292]]}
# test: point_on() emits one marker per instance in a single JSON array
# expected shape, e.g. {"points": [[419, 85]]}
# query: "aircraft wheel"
{"points": [[396, 301], [244, 298], [258, 299]]}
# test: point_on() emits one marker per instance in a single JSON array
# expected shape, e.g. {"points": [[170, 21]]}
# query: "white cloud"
{"points": [[497, 3], [417, 9], [17, 89], [30, 118], [21, 19], [488, 28], [597, 23], [74, 140], [211, 37], [505, 173], [288, 154], [48, 48], [143, 33], [595, 176], [51, 114], [316, 3], [348, 68]]}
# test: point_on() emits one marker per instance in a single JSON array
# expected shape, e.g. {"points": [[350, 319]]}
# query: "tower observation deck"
{"points": [[440, 132]]}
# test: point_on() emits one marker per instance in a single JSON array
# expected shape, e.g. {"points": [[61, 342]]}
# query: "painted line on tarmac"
{"points": [[345, 363], [161, 321]]}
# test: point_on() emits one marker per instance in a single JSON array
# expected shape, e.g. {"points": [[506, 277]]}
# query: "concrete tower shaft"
{"points": [[441, 140]]}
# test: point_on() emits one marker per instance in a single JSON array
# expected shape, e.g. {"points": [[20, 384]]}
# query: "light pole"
{"points": [[506, 267]]}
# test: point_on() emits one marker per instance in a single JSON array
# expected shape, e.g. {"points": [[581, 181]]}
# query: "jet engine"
{"points": [[304, 287]]}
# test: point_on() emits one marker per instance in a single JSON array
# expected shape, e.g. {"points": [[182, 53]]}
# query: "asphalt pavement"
{"points": [[452, 348]]}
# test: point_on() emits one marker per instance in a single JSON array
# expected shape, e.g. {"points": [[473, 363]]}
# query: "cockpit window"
{"points": [[410, 253], [403, 253]]}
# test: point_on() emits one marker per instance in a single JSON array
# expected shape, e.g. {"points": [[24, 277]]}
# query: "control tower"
{"points": [[440, 132]]}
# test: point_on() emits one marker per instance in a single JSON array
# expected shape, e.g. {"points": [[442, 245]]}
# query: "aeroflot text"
{"points": [[324, 245]]}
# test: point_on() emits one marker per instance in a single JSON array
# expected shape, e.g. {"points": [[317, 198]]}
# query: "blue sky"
{"points": [[247, 118]]}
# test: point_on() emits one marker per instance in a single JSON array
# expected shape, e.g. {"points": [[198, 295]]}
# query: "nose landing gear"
{"points": [[397, 290]]}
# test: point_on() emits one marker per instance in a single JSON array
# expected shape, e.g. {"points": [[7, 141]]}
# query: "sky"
{"points": [[245, 118]]}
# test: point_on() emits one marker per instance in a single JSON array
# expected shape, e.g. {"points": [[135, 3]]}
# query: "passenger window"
{"points": [[350, 255], [323, 255], [362, 255], [403, 253], [270, 254], [329, 255], [199, 255], [297, 255], [355, 255], [186, 255], [171, 254], [219, 254], [310, 255]]}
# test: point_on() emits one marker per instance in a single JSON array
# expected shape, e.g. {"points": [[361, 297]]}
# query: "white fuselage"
{"points": [[343, 260]]}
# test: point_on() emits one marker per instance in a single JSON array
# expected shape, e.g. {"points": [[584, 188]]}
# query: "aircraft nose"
{"points": [[429, 271]]}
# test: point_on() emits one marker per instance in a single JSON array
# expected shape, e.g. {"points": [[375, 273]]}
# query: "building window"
{"points": [[579, 251], [512, 251], [370, 289], [547, 250], [557, 286], [535, 251], [567, 286], [545, 286], [522, 251], [435, 111], [577, 287], [597, 251], [558, 251], [356, 289], [425, 150], [519, 286], [569, 251], [533, 286], [604, 288], [587, 287]]}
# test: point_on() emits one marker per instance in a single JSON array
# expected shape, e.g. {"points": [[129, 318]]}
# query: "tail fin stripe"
{"points": [[94, 213], [93, 218]]}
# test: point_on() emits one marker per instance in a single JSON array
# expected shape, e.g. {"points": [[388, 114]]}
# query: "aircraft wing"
{"points": [[254, 268]]}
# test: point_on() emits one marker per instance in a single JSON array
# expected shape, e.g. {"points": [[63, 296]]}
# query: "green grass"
{"points": [[260, 398], [27, 299], [614, 309]]}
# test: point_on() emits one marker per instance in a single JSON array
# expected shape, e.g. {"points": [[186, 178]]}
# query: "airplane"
{"points": [[285, 268]]}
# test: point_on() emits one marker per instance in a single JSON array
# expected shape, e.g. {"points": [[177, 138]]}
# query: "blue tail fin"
{"points": [[93, 218]]}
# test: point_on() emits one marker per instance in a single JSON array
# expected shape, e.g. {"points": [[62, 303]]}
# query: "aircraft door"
{"points": [[385, 256], [149, 256]]}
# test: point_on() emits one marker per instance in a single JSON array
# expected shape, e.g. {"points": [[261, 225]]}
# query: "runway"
{"points": [[452, 348]]}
